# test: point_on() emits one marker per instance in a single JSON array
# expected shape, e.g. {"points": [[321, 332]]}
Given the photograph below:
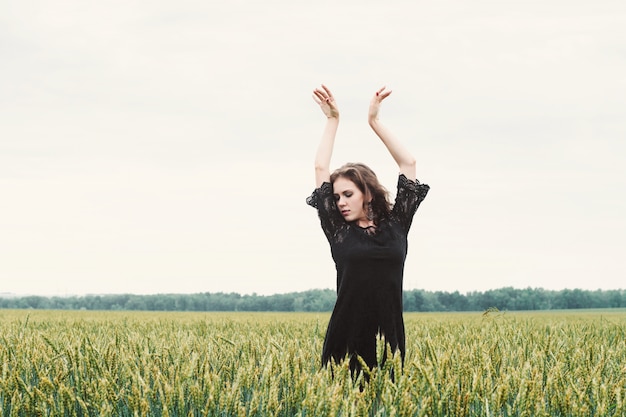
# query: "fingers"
{"points": [[320, 99], [381, 94], [323, 95], [330, 95]]}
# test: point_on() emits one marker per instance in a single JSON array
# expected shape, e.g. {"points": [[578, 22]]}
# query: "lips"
{"points": [[344, 213]]}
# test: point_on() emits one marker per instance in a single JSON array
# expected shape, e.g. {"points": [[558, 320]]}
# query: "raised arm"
{"points": [[324, 98], [402, 156]]}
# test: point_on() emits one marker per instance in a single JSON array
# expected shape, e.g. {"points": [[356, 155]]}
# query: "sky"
{"points": [[167, 147]]}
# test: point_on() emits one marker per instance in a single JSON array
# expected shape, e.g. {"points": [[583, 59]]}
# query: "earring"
{"points": [[370, 211]]}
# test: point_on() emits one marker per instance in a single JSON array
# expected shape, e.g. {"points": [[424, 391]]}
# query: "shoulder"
{"points": [[408, 198], [411, 190], [407, 184], [324, 191]]}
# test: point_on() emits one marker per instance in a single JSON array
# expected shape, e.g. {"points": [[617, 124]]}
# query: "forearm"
{"points": [[325, 151], [400, 154]]}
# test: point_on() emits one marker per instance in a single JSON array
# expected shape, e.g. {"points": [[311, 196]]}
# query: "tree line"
{"points": [[321, 300]]}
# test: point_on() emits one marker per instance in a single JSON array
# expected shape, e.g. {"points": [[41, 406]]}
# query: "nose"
{"points": [[341, 202]]}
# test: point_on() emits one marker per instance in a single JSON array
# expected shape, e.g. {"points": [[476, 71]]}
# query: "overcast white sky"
{"points": [[167, 146]]}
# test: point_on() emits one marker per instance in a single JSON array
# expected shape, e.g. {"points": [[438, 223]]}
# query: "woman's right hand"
{"points": [[324, 98]]}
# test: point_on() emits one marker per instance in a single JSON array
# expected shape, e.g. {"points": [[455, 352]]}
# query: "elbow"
{"points": [[320, 167], [322, 171], [408, 168], [322, 175], [410, 163]]}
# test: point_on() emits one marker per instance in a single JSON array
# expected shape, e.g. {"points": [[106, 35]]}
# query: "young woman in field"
{"points": [[368, 240]]}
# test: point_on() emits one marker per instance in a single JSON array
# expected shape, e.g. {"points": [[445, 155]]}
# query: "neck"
{"points": [[365, 223]]}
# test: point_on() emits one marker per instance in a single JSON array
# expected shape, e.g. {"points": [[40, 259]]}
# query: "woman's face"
{"points": [[349, 200]]}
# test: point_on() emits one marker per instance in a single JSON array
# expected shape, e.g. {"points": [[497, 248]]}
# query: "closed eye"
{"points": [[347, 194]]}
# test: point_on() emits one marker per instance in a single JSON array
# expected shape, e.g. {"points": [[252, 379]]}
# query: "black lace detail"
{"points": [[318, 194], [333, 224], [369, 230], [408, 198]]}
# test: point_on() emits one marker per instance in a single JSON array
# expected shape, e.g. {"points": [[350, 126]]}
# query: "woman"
{"points": [[368, 240]]}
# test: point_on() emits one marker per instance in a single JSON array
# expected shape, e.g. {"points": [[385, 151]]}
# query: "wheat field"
{"points": [[82, 363]]}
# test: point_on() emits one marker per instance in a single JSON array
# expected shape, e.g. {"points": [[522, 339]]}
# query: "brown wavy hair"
{"points": [[365, 179]]}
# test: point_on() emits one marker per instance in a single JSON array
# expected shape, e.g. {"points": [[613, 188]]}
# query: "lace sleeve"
{"points": [[408, 198], [323, 200]]}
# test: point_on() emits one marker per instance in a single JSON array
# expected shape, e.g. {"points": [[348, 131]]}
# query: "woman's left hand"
{"points": [[380, 95]]}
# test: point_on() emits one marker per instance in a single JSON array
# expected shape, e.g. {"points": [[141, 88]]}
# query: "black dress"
{"points": [[370, 268]]}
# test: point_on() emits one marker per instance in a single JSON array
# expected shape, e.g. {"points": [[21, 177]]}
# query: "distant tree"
{"points": [[506, 298]]}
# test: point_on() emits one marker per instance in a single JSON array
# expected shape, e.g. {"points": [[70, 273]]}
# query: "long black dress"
{"points": [[370, 270]]}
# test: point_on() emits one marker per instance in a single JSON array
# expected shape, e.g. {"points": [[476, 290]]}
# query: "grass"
{"points": [[57, 363]]}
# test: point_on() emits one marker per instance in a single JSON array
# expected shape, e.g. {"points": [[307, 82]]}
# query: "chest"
{"points": [[386, 246]]}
